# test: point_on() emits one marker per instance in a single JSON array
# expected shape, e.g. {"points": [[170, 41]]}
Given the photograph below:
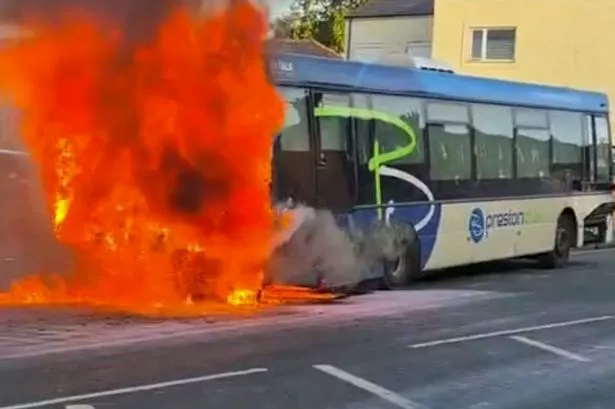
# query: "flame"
{"points": [[155, 159], [243, 297]]}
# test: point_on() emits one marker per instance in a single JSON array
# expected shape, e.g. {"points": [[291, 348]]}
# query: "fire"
{"points": [[155, 158]]}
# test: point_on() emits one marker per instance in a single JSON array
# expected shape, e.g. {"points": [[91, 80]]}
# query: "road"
{"points": [[513, 338]]}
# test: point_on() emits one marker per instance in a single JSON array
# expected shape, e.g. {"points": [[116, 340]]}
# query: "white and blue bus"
{"points": [[469, 169]]}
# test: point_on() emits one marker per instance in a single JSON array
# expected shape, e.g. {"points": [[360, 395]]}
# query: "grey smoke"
{"points": [[315, 246]]}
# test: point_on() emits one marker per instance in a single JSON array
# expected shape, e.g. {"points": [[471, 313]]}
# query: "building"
{"points": [[559, 42], [391, 27]]}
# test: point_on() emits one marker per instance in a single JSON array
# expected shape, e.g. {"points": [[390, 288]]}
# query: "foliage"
{"points": [[321, 20]]}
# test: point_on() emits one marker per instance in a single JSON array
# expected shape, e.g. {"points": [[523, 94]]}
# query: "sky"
{"points": [[278, 6]]}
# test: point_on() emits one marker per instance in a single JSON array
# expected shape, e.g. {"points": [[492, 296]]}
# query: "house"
{"points": [[559, 42], [390, 27]]}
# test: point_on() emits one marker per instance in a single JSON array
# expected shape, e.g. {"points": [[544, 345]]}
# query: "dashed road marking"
{"points": [[134, 389], [550, 348], [370, 387], [507, 332]]}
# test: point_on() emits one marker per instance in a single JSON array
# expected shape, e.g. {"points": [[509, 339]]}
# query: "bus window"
{"points": [[493, 148], [531, 118], [392, 136], [333, 132], [567, 154], [589, 153], [450, 150], [603, 149], [295, 136], [293, 167], [567, 131], [533, 141], [335, 166], [533, 153]]}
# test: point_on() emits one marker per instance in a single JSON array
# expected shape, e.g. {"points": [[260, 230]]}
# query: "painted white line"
{"points": [[13, 152], [370, 387], [134, 389], [550, 348], [510, 332]]}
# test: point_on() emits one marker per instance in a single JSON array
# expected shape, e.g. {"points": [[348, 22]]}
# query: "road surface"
{"points": [[518, 338]]}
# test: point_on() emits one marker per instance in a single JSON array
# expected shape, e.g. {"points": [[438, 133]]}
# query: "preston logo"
{"points": [[476, 225], [481, 224]]}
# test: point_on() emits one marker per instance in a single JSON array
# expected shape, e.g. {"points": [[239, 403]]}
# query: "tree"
{"points": [[321, 20]]}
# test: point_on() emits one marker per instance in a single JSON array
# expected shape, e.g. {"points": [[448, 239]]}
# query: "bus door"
{"points": [[335, 172], [294, 170]]}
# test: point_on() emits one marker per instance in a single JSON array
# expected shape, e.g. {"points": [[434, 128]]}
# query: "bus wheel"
{"points": [[405, 265], [564, 235]]}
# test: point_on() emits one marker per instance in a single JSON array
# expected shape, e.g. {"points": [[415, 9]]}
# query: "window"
{"points": [[533, 153], [447, 112], [603, 149], [333, 129], [295, 136], [450, 150], [493, 141], [589, 156], [496, 44], [362, 130], [567, 131], [533, 143], [391, 136], [532, 118]]}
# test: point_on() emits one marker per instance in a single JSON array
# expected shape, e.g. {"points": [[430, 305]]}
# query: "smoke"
{"points": [[138, 18], [315, 248]]}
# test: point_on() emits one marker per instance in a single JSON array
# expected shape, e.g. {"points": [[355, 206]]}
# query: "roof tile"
{"points": [[305, 47]]}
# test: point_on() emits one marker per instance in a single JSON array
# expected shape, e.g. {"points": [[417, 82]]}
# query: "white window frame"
{"points": [[483, 49]]}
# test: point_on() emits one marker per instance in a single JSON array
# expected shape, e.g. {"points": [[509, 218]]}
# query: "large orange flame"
{"points": [[155, 159]]}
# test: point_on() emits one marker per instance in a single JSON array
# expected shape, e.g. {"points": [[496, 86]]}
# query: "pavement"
{"points": [[505, 335]]}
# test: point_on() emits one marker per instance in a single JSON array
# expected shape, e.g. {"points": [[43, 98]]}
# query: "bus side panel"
{"points": [[536, 232], [492, 230], [424, 217]]}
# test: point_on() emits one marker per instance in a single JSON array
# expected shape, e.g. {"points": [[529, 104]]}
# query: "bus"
{"points": [[459, 169]]}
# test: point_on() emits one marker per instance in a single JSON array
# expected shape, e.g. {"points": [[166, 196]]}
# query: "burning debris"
{"points": [[154, 151]]}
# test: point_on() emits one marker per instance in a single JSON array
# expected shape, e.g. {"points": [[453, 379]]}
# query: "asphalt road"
{"points": [[512, 338]]}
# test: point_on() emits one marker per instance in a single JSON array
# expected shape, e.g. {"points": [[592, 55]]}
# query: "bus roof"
{"points": [[354, 76]]}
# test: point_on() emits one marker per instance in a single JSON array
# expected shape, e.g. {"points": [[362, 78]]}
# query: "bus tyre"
{"points": [[564, 234], [399, 247]]}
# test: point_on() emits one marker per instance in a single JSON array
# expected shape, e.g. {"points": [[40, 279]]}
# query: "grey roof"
{"points": [[382, 8], [305, 47]]}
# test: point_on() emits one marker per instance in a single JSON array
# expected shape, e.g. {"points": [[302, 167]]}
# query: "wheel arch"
{"points": [[570, 214]]}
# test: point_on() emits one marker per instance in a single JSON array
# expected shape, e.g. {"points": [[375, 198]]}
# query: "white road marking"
{"points": [[510, 332], [13, 152], [370, 387], [134, 389], [550, 348]]}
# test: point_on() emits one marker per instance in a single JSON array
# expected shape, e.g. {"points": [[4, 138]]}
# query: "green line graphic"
{"points": [[378, 159]]}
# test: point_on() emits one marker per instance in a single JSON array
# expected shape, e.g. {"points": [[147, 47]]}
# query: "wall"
{"points": [[386, 34], [560, 42]]}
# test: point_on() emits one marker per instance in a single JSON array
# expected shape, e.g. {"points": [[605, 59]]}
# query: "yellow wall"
{"points": [[560, 42]]}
